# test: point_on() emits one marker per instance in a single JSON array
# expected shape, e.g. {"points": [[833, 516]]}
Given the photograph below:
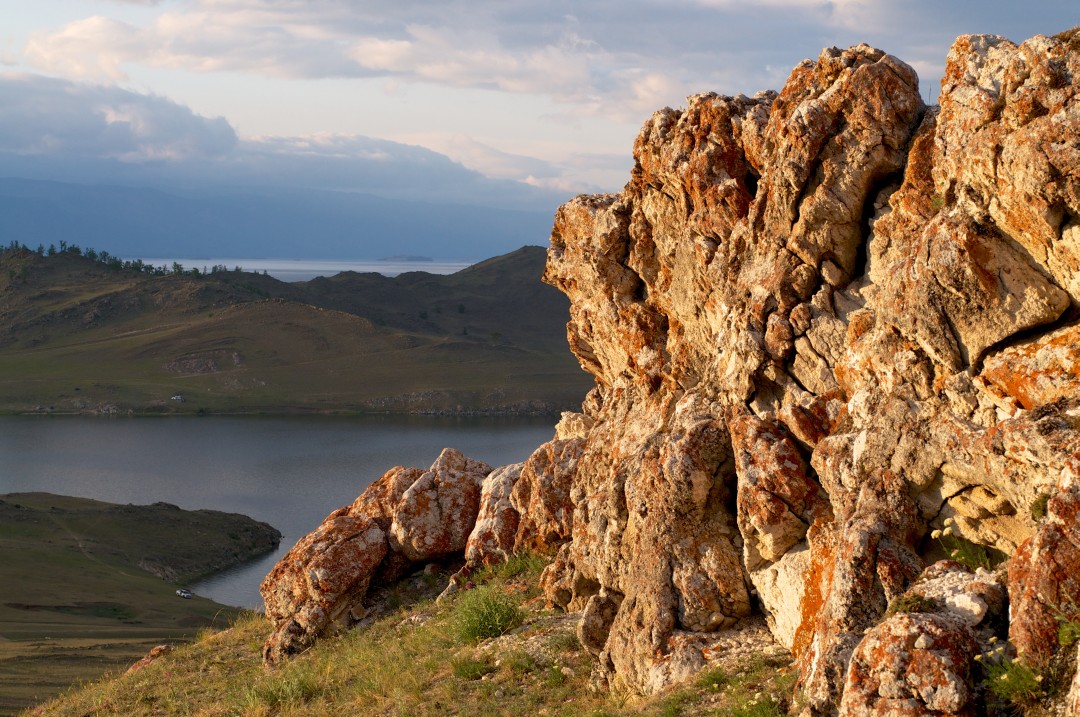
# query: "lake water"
{"points": [[289, 472]]}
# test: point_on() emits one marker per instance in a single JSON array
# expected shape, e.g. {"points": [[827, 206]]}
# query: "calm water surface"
{"points": [[289, 472]]}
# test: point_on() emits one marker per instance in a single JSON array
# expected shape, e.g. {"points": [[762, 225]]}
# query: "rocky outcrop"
{"points": [[406, 516], [822, 323], [834, 336]]}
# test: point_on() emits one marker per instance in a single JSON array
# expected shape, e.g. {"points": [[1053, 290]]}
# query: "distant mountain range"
{"points": [[269, 222], [79, 335]]}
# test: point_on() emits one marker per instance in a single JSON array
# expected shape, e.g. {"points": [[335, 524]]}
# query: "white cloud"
{"points": [[488, 160], [94, 47], [69, 131], [47, 116], [597, 53], [507, 47]]}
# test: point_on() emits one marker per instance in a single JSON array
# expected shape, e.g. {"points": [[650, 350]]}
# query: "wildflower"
{"points": [[936, 534], [993, 639], [948, 522], [1004, 677], [1038, 678], [978, 658], [947, 531]]}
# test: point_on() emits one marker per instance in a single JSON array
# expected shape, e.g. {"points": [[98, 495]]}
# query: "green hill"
{"points": [[82, 335], [88, 586]]}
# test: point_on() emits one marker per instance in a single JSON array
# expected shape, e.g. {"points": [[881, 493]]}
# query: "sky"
{"points": [[519, 103]]}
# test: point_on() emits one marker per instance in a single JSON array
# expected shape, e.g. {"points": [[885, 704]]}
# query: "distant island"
{"points": [[407, 258], [82, 331]]}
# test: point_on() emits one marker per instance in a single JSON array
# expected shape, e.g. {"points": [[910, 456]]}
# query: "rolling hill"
{"points": [[90, 586], [81, 335]]}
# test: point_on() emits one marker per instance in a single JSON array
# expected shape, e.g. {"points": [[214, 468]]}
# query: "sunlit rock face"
{"points": [[823, 323], [407, 516]]}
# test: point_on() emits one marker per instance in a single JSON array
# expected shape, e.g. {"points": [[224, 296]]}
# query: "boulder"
{"points": [[435, 515], [919, 660], [407, 515]]}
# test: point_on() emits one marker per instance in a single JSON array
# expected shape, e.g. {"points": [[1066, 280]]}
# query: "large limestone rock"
{"points": [[526, 507], [823, 323], [407, 515], [918, 660]]}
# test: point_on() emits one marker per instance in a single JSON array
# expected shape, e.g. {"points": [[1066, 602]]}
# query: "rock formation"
{"points": [[408, 515], [823, 324]]}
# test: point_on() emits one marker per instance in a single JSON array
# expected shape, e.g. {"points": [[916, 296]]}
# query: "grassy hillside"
{"points": [[81, 335], [86, 586], [424, 660]]}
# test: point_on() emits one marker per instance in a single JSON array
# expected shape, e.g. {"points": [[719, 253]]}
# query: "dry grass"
{"points": [[76, 600], [411, 663]]}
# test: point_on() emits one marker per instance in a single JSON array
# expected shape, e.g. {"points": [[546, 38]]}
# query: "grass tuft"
{"points": [[1039, 506], [526, 564], [912, 602], [290, 689], [485, 612], [470, 668]]}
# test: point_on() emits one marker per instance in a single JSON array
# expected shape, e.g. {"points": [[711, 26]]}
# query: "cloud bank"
{"points": [[70, 131], [597, 57]]}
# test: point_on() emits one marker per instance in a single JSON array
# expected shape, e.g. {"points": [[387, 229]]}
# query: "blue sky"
{"points": [[542, 97]]}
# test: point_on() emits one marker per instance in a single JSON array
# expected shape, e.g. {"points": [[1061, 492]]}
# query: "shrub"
{"points": [[1013, 682], [963, 550], [1009, 681], [485, 612]]}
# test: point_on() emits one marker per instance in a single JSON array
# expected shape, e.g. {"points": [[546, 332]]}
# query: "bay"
{"points": [[288, 471]]}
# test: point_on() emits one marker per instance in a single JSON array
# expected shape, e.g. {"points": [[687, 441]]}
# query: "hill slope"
{"points": [[85, 336], [88, 585], [428, 660]]}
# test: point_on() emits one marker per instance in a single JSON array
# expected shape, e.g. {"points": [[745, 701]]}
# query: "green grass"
{"points": [[75, 600], [485, 612], [78, 338], [912, 602], [412, 663]]}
